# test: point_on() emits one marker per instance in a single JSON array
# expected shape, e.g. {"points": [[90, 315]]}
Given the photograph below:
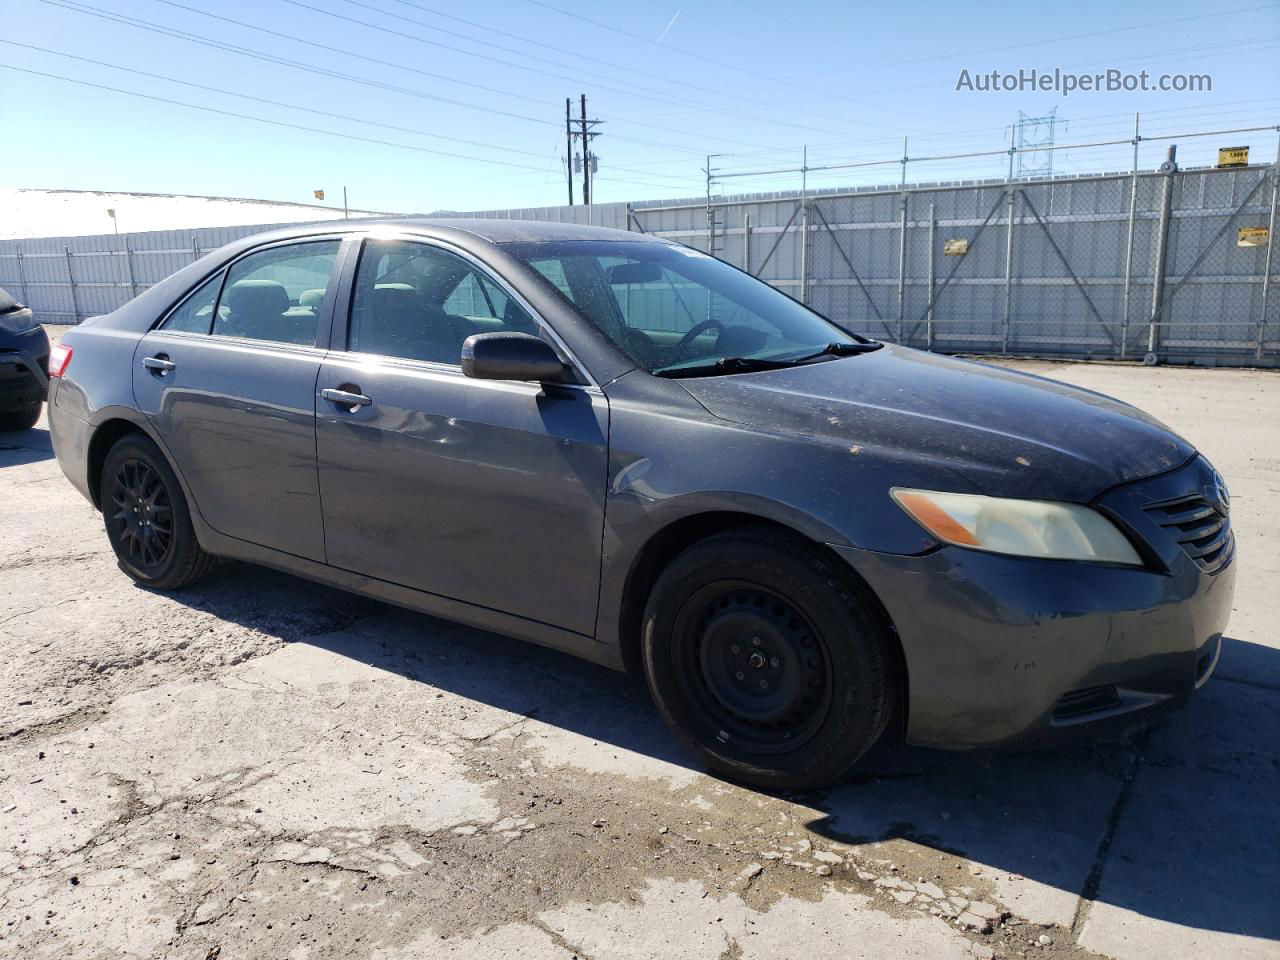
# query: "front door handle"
{"points": [[159, 363], [345, 398]]}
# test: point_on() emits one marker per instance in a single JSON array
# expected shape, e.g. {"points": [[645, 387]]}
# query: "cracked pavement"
{"points": [[263, 767]]}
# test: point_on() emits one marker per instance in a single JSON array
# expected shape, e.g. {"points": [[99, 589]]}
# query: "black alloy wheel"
{"points": [[147, 518], [139, 507]]}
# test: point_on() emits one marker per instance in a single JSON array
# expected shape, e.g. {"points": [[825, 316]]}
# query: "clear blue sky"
{"points": [[672, 79]]}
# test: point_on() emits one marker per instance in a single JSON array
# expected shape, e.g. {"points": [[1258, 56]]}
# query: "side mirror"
{"points": [[511, 356]]}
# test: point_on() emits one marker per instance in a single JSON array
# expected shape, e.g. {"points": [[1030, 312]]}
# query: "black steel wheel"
{"points": [[752, 665], [147, 519], [768, 660]]}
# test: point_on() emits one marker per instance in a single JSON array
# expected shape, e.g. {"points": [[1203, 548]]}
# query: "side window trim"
{"points": [[340, 339]]}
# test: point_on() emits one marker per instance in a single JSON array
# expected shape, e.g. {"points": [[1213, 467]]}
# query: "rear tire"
{"points": [[147, 518], [767, 660], [23, 419]]}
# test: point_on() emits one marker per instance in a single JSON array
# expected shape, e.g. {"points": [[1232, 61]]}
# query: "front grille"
{"points": [[1201, 529], [1077, 703]]}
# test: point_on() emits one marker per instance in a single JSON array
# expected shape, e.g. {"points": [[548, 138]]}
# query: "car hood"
{"points": [[1007, 433]]}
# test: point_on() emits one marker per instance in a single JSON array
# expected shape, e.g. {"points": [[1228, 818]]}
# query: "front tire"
{"points": [[148, 521], [22, 419], [766, 660]]}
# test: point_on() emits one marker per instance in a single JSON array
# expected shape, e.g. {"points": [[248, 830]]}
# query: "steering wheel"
{"points": [[697, 330]]}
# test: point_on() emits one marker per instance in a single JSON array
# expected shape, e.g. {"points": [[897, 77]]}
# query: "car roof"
{"points": [[520, 231], [482, 228]]}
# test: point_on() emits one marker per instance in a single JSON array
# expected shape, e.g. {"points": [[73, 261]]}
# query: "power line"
{"points": [[1034, 43], [274, 103], [647, 93], [579, 55], [77, 7], [754, 74], [275, 123]]}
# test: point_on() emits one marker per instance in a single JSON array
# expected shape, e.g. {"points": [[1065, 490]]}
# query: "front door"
{"points": [[228, 381], [487, 492]]}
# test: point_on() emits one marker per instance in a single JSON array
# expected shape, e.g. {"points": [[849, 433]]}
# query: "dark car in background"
{"points": [[623, 448], [24, 357]]}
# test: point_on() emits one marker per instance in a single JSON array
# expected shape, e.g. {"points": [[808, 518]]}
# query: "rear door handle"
{"points": [[345, 398], [160, 364]]}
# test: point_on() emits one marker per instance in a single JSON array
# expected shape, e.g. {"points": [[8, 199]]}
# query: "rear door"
{"points": [[228, 380], [482, 491]]}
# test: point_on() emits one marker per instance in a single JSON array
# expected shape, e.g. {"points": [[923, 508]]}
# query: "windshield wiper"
{"points": [[725, 365], [839, 350], [753, 364]]}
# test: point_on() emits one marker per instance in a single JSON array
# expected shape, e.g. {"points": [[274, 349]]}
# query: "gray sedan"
{"points": [[620, 447]]}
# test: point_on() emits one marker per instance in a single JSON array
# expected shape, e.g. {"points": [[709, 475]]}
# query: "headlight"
{"points": [[1023, 528], [17, 321]]}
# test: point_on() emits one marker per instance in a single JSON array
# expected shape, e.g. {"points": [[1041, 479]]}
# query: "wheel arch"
{"points": [[105, 436], [668, 542]]}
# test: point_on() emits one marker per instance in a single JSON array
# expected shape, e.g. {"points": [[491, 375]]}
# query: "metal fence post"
{"points": [[1128, 246], [902, 268], [1271, 248], [804, 227], [933, 231], [128, 260], [1008, 271], [1162, 255], [746, 242], [22, 275], [1128, 266], [71, 281], [195, 249]]}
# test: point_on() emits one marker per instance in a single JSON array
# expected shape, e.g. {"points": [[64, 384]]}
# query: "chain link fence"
{"points": [[1175, 266], [1152, 266]]}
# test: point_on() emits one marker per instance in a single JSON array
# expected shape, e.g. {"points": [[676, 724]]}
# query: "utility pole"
{"points": [[568, 147], [586, 132], [586, 155]]}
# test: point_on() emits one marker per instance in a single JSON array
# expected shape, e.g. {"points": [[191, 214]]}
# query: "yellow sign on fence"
{"points": [[955, 247], [1253, 237], [1233, 157]]}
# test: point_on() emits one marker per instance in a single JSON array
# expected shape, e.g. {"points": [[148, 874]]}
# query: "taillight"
{"points": [[59, 360]]}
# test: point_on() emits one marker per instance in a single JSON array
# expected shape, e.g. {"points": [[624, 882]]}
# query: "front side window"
{"points": [[673, 309], [195, 315], [419, 302], [277, 294]]}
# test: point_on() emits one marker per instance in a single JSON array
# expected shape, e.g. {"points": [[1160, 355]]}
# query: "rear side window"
{"points": [[196, 313], [277, 294]]}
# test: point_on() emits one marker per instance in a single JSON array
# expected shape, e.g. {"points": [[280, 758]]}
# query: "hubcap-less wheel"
{"points": [[142, 514], [753, 668]]}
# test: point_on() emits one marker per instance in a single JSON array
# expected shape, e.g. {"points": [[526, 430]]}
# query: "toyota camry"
{"points": [[620, 447]]}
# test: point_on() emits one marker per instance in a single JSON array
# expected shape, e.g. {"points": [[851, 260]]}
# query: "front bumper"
{"points": [[23, 378], [1002, 651]]}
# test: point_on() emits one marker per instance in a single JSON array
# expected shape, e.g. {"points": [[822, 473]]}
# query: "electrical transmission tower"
{"points": [[586, 162], [1035, 144]]}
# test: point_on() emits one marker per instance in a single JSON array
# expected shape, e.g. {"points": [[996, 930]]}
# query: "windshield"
{"points": [[671, 308]]}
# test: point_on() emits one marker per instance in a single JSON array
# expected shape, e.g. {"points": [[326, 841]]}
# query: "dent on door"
{"points": [[239, 420], [490, 492]]}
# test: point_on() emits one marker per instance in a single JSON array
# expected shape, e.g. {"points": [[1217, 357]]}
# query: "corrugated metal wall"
{"points": [[1062, 267]]}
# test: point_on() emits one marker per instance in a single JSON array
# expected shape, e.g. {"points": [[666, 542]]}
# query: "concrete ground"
{"points": [[261, 767]]}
